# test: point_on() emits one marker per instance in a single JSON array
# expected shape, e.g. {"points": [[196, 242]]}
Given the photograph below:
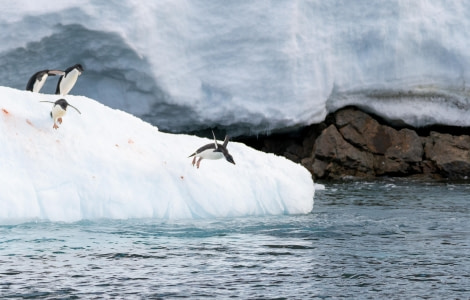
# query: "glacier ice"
{"points": [[250, 66], [106, 163]]}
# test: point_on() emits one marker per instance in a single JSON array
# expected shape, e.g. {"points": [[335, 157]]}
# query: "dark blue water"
{"points": [[368, 240]]}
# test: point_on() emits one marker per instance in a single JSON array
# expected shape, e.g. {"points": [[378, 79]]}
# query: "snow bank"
{"points": [[106, 163]]}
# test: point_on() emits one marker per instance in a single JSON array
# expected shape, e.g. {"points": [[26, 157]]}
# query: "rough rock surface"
{"points": [[360, 146], [352, 143], [449, 154]]}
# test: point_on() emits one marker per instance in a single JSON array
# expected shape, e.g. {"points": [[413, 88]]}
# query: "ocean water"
{"points": [[391, 239]]}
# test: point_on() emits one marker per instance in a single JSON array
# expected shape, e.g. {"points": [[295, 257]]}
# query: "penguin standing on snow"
{"points": [[36, 82], [58, 111], [68, 80], [212, 151]]}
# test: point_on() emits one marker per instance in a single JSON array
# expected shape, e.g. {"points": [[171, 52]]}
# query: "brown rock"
{"points": [[291, 157], [307, 163], [450, 154], [296, 151], [406, 146], [337, 156], [363, 131], [386, 166], [395, 152], [352, 143], [308, 143], [429, 169], [320, 169]]}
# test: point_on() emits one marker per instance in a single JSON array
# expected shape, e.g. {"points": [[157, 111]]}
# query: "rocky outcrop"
{"points": [[352, 143], [449, 155], [358, 145], [335, 157]]}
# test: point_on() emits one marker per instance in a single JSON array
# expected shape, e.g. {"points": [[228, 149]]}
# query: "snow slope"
{"points": [[106, 163], [249, 66]]}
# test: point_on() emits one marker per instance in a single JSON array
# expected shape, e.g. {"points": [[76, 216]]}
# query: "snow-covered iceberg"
{"points": [[249, 66], [106, 163]]}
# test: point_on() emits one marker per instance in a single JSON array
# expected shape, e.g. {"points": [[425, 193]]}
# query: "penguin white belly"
{"points": [[57, 112], [39, 83], [68, 81], [210, 154]]}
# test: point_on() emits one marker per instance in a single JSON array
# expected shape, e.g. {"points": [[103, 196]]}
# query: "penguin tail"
{"points": [[192, 155]]}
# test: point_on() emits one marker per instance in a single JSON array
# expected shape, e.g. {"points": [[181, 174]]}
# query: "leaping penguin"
{"points": [[36, 82], [68, 80], [212, 151], [58, 111]]}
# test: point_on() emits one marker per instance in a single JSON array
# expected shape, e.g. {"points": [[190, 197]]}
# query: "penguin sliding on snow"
{"points": [[68, 80], [36, 82], [212, 151], [58, 111]]}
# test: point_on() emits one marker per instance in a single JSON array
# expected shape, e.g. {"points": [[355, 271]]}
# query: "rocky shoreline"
{"points": [[353, 144]]}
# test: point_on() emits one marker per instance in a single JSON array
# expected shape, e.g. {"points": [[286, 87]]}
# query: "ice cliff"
{"points": [[250, 66]]}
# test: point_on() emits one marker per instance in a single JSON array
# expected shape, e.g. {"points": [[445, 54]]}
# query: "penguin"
{"points": [[68, 80], [212, 151], [36, 82], [58, 111]]}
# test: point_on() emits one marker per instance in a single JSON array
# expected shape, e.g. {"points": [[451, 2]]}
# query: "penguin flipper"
{"points": [[227, 138], [74, 108], [57, 90], [30, 85], [215, 140], [55, 72]]}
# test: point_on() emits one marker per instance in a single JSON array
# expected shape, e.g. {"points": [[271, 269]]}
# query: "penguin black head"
{"points": [[229, 158], [62, 103], [224, 151], [78, 67]]}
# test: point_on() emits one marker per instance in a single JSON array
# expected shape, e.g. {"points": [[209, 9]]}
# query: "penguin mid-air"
{"points": [[68, 80], [58, 111], [36, 82], [212, 151]]}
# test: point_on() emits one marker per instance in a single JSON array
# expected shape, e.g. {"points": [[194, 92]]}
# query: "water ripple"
{"points": [[358, 243]]}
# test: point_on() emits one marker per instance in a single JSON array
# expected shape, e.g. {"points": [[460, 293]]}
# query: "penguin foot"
{"points": [[198, 162], [59, 120], [194, 160], [55, 126]]}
